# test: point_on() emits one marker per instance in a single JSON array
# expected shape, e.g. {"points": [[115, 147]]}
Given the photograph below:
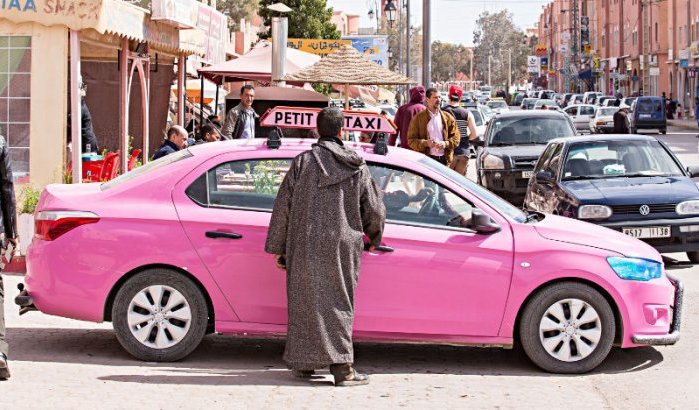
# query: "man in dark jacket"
{"points": [[327, 202], [8, 222], [176, 140], [621, 120], [406, 113], [464, 122], [240, 120]]}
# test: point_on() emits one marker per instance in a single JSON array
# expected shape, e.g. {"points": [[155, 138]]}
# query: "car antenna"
{"points": [[274, 140], [380, 147]]}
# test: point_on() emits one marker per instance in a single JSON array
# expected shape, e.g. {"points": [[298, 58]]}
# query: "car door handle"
{"points": [[227, 235], [380, 248]]}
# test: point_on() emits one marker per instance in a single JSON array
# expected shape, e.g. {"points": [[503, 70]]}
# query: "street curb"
{"points": [[684, 124]]}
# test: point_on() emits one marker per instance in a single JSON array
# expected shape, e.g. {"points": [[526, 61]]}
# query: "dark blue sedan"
{"points": [[629, 183]]}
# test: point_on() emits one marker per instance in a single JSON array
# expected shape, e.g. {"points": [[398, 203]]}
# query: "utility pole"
{"points": [[576, 44], [645, 55], [426, 44], [471, 76], [489, 82], [509, 71], [407, 39]]}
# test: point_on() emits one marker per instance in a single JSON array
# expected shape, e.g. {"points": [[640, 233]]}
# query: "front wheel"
{"points": [[693, 256], [159, 316], [567, 328]]}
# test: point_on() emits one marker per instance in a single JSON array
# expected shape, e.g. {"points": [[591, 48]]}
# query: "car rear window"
{"points": [[149, 167], [649, 106]]}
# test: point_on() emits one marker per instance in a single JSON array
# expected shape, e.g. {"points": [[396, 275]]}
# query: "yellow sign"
{"points": [[587, 48], [317, 46], [541, 50]]}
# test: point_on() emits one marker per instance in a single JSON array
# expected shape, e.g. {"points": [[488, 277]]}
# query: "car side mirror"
{"points": [[544, 177], [693, 171], [482, 223]]}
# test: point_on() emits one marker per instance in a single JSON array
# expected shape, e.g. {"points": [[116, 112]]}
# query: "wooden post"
{"points": [[124, 74], [181, 68], [75, 110]]}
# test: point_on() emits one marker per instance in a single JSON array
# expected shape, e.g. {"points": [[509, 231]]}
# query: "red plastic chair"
{"points": [[110, 166], [132, 160]]}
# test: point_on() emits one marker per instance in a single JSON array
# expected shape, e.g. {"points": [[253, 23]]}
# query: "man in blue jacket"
{"points": [[176, 140]]}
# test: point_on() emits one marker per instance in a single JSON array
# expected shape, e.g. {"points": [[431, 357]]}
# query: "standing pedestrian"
{"points": [[621, 120], [433, 131], [696, 110], [176, 140], [671, 108], [464, 122], [8, 222], [406, 113], [240, 120], [326, 203]]}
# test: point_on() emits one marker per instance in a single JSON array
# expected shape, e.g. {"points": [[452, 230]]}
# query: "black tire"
{"points": [[197, 306], [534, 313], [663, 131], [693, 256]]}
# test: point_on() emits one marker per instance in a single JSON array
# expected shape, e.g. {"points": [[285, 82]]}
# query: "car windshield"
{"points": [[493, 200], [618, 159], [649, 106], [149, 167], [607, 111], [528, 130], [487, 111], [497, 104], [548, 103], [476, 116]]}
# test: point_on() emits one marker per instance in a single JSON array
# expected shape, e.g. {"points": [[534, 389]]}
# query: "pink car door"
{"points": [[225, 207], [442, 277]]}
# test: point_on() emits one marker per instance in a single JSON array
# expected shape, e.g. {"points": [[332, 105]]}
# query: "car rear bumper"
{"points": [[677, 242], [673, 335], [650, 124]]}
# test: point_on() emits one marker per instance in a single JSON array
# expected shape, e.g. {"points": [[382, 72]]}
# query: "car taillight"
{"points": [[49, 225]]}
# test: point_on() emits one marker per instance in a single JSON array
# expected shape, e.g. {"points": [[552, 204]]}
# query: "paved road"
{"points": [[62, 364]]}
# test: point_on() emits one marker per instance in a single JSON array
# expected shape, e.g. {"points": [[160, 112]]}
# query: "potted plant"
{"points": [[28, 198]]}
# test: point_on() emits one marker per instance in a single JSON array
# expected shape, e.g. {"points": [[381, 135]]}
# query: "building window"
{"points": [[656, 32], [15, 96]]}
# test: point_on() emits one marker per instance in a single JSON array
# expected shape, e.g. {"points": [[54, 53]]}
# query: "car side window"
{"points": [[415, 200], [555, 163], [249, 184], [572, 110], [587, 111], [545, 157]]}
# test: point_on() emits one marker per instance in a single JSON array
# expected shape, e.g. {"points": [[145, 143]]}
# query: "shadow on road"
{"points": [[229, 360]]}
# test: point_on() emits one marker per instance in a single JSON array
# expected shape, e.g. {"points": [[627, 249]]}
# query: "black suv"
{"points": [[513, 142]]}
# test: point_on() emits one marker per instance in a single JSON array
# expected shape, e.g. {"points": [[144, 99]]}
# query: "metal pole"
{"points": [[509, 70], [407, 37], [216, 104], [201, 107], [181, 68], [426, 44], [471, 78], [489, 82], [75, 107], [280, 30]]}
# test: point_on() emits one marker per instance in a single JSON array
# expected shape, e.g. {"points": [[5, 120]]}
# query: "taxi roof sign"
{"points": [[305, 118]]}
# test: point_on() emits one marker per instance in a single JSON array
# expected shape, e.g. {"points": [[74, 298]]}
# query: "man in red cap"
{"points": [[464, 121], [405, 114]]}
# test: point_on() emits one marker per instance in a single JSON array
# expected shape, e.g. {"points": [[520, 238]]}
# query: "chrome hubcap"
{"points": [[570, 330], [159, 316]]}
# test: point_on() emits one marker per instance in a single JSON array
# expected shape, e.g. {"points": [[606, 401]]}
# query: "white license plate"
{"points": [[648, 232], [644, 116], [527, 174]]}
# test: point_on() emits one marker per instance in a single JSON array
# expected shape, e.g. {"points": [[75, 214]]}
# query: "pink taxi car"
{"points": [[173, 250]]}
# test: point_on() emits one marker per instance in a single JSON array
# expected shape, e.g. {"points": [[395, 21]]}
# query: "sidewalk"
{"points": [[684, 123]]}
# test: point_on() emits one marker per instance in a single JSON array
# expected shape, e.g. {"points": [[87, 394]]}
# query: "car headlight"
{"points": [[492, 162], [688, 207], [635, 268], [594, 212]]}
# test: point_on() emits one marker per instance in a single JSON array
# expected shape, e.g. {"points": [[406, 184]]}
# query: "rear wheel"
{"points": [[693, 256], [567, 328], [159, 316], [663, 131]]}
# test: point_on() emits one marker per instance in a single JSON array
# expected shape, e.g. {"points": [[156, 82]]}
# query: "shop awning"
{"points": [[114, 17]]}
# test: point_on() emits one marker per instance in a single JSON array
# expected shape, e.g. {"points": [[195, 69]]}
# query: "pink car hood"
{"points": [[558, 228]]}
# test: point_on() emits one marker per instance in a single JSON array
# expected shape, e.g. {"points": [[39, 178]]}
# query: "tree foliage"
{"points": [[448, 60], [237, 10], [308, 19], [496, 38]]}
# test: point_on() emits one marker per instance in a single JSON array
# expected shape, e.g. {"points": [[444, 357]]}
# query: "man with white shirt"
{"points": [[433, 131]]}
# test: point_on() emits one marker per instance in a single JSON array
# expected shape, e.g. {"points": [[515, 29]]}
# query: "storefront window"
{"points": [[15, 96]]}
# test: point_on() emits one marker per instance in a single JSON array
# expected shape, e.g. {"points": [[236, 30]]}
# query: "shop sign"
{"points": [[75, 14], [305, 118], [318, 47], [179, 13], [374, 48], [564, 48], [215, 27], [654, 71], [541, 50]]}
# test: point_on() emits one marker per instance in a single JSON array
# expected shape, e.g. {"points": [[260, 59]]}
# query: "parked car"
{"points": [[518, 99], [590, 96], [174, 250], [528, 103], [630, 183], [498, 105], [550, 104], [648, 113], [513, 142], [581, 114], [547, 94], [566, 100], [603, 120], [607, 101], [576, 99]]}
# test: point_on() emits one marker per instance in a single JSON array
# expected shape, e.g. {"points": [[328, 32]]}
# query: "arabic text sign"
{"points": [[305, 118], [316, 46]]}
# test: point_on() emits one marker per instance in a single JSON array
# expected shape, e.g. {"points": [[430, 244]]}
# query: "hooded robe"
{"points": [[325, 205]]}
